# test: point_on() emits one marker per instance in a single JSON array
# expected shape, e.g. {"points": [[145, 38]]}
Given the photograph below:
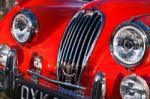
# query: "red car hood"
{"points": [[53, 19]]}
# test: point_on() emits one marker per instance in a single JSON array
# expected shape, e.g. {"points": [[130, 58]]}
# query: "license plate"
{"points": [[32, 93], [29, 92]]}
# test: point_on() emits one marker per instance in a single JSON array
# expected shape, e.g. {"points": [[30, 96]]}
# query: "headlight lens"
{"points": [[129, 44], [4, 50], [24, 26], [134, 87]]}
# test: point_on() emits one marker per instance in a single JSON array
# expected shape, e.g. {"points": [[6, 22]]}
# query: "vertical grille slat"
{"points": [[69, 33], [90, 44], [78, 43], [79, 34], [76, 36], [88, 35]]}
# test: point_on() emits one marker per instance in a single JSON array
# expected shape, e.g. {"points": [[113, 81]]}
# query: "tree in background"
{"points": [[5, 6]]}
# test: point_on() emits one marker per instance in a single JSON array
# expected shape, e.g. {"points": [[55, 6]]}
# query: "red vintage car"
{"points": [[73, 49]]}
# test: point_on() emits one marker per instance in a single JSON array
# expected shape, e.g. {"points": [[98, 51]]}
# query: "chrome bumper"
{"points": [[12, 75]]}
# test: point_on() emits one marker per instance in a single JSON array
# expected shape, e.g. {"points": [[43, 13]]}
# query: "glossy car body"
{"points": [[53, 17]]}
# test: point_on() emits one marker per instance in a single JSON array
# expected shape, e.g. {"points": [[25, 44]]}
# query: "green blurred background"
{"points": [[6, 6]]}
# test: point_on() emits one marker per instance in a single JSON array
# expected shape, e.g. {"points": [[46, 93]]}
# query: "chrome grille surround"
{"points": [[78, 43]]}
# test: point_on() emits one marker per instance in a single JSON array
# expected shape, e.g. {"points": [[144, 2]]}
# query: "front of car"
{"points": [[53, 50]]}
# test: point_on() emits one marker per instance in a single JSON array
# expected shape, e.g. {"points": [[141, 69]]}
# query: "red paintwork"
{"points": [[54, 16]]}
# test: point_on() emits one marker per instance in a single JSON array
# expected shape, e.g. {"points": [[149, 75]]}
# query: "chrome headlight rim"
{"points": [[31, 17], [142, 28], [138, 78]]}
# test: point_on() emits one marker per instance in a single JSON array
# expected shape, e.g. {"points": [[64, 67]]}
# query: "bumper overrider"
{"points": [[16, 86]]}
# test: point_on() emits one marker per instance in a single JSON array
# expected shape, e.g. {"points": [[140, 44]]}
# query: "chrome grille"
{"points": [[77, 44]]}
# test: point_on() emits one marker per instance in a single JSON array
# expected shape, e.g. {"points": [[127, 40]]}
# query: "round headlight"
{"points": [[129, 44], [24, 26], [4, 50], [134, 87]]}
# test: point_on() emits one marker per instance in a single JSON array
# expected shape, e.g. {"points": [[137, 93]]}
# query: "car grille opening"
{"points": [[77, 44]]}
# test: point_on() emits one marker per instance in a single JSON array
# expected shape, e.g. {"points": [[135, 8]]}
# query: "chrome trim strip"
{"points": [[56, 81], [99, 87]]}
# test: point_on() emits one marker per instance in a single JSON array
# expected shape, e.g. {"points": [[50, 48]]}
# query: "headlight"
{"points": [[134, 87], [129, 44], [24, 26], [4, 50]]}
